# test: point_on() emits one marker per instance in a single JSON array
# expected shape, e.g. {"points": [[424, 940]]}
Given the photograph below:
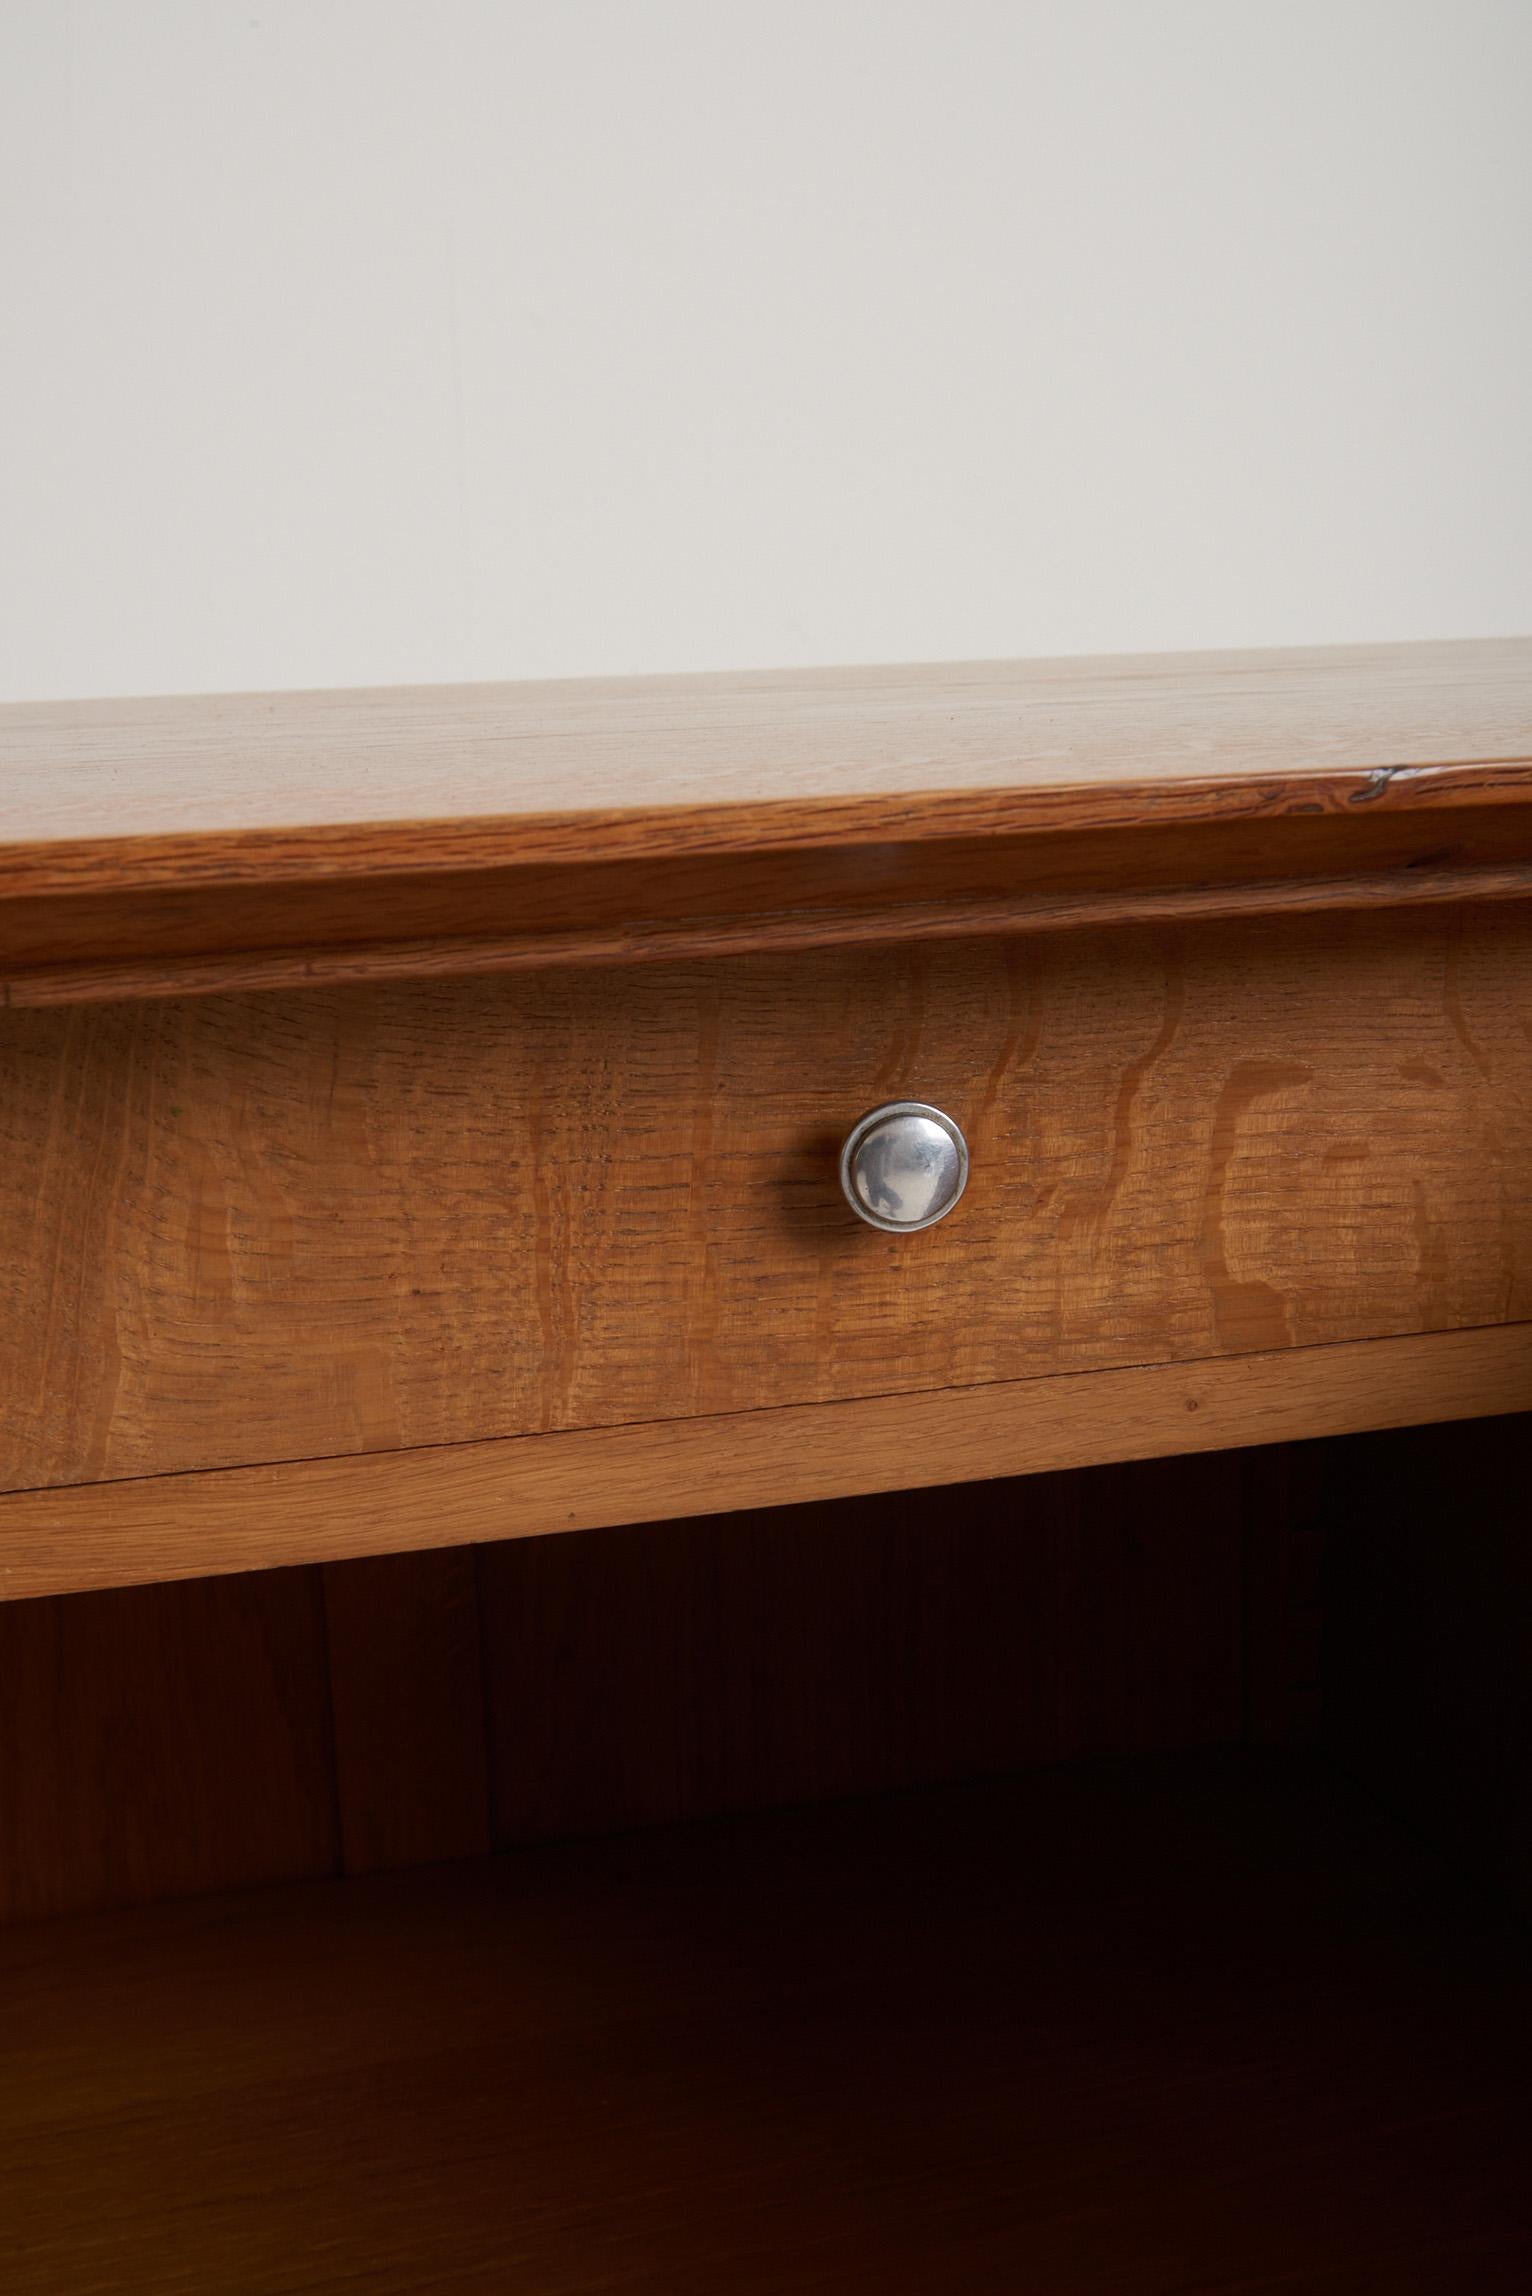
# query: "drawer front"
{"points": [[283, 1226]]}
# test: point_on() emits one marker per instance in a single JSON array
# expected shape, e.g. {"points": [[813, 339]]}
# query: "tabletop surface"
{"points": [[204, 788]]}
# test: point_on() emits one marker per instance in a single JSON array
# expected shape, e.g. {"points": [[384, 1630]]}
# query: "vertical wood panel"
{"points": [[407, 1696], [161, 1740], [656, 1672], [164, 1740]]}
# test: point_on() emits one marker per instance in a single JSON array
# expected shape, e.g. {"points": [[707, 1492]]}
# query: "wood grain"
{"points": [[210, 940], [256, 1228], [1176, 2035], [192, 847], [227, 788], [240, 1519]]}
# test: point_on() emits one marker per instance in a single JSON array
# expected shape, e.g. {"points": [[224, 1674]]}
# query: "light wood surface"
{"points": [[177, 847], [261, 1228], [240, 1519], [1174, 2035], [144, 792]]}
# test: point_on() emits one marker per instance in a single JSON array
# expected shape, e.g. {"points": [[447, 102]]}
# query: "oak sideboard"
{"points": [[763, 1482]]}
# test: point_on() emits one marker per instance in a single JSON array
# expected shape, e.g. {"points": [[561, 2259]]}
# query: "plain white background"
{"points": [[351, 341]]}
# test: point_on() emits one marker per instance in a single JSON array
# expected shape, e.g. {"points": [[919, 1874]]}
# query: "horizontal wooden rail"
{"points": [[312, 1510], [174, 848], [655, 941]]}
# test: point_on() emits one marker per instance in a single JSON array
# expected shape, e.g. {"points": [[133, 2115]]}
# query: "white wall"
{"points": [[370, 340]]}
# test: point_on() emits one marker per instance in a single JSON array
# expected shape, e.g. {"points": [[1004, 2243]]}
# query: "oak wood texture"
{"points": [[241, 1519], [250, 1228], [205, 941], [1175, 2035], [134, 792], [187, 846]]}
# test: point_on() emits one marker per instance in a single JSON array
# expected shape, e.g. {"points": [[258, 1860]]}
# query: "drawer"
{"points": [[315, 1222]]}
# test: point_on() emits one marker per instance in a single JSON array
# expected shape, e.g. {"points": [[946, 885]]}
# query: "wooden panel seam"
{"points": [[242, 1518]]}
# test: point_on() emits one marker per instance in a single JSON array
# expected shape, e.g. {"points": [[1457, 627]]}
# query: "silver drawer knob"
{"points": [[904, 1166]]}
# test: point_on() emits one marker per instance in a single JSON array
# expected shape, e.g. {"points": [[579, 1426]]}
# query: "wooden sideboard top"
{"points": [[388, 778], [169, 846]]}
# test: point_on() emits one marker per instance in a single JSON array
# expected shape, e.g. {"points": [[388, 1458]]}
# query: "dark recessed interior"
{"points": [[1113, 1880]]}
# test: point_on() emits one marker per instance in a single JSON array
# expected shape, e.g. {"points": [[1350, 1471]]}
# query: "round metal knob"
{"points": [[904, 1166]]}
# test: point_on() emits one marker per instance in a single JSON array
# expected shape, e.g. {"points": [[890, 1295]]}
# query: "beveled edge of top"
{"points": [[375, 782]]}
